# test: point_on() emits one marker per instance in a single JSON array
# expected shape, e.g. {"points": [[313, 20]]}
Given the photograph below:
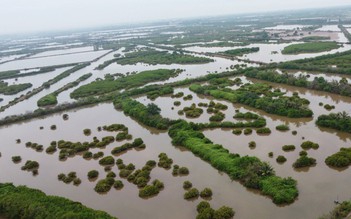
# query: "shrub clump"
{"points": [[77, 182], [309, 144], [104, 185], [188, 97], [70, 177], [118, 184], [281, 159], [206, 193], [124, 173], [177, 95], [329, 107], [87, 132], [288, 148], [187, 185], [250, 171], [192, 111], [303, 153], [340, 159], [247, 131], [24, 202], [158, 184], [51, 149], [247, 115], [137, 143], [224, 212], [237, 131], [339, 212], [109, 160], [30, 165], [282, 127], [16, 159], [183, 171], [148, 191], [263, 131], [164, 161], [191, 194], [87, 155], [206, 212], [175, 171], [114, 128], [123, 136], [217, 117], [252, 144], [98, 155], [304, 161], [176, 103], [92, 174]]}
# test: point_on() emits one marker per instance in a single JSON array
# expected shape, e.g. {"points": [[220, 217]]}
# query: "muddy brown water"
{"points": [[190, 71], [318, 186]]}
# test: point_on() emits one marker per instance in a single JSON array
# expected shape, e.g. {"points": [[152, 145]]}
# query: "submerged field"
{"points": [[195, 124]]}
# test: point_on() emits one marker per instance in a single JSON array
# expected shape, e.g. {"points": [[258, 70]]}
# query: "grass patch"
{"points": [[339, 121], [261, 97], [136, 80], [340, 159], [311, 47], [154, 57], [241, 51], [23, 202], [250, 171], [13, 89]]}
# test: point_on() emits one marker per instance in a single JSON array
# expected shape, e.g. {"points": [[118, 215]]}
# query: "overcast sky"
{"points": [[17, 16]]}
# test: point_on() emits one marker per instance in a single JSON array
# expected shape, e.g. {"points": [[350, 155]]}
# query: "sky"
{"points": [[21, 16]]}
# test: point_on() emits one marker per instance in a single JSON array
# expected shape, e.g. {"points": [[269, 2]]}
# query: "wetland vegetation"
{"points": [[234, 128], [330, 63], [131, 81], [260, 96], [20, 202], [13, 89], [240, 52], [339, 121], [312, 47], [341, 87], [154, 57]]}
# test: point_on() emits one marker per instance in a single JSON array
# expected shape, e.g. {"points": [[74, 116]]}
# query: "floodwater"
{"points": [[51, 60], [190, 71], [35, 80], [268, 52], [318, 186], [10, 58], [64, 51], [331, 28], [312, 75], [286, 27]]}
